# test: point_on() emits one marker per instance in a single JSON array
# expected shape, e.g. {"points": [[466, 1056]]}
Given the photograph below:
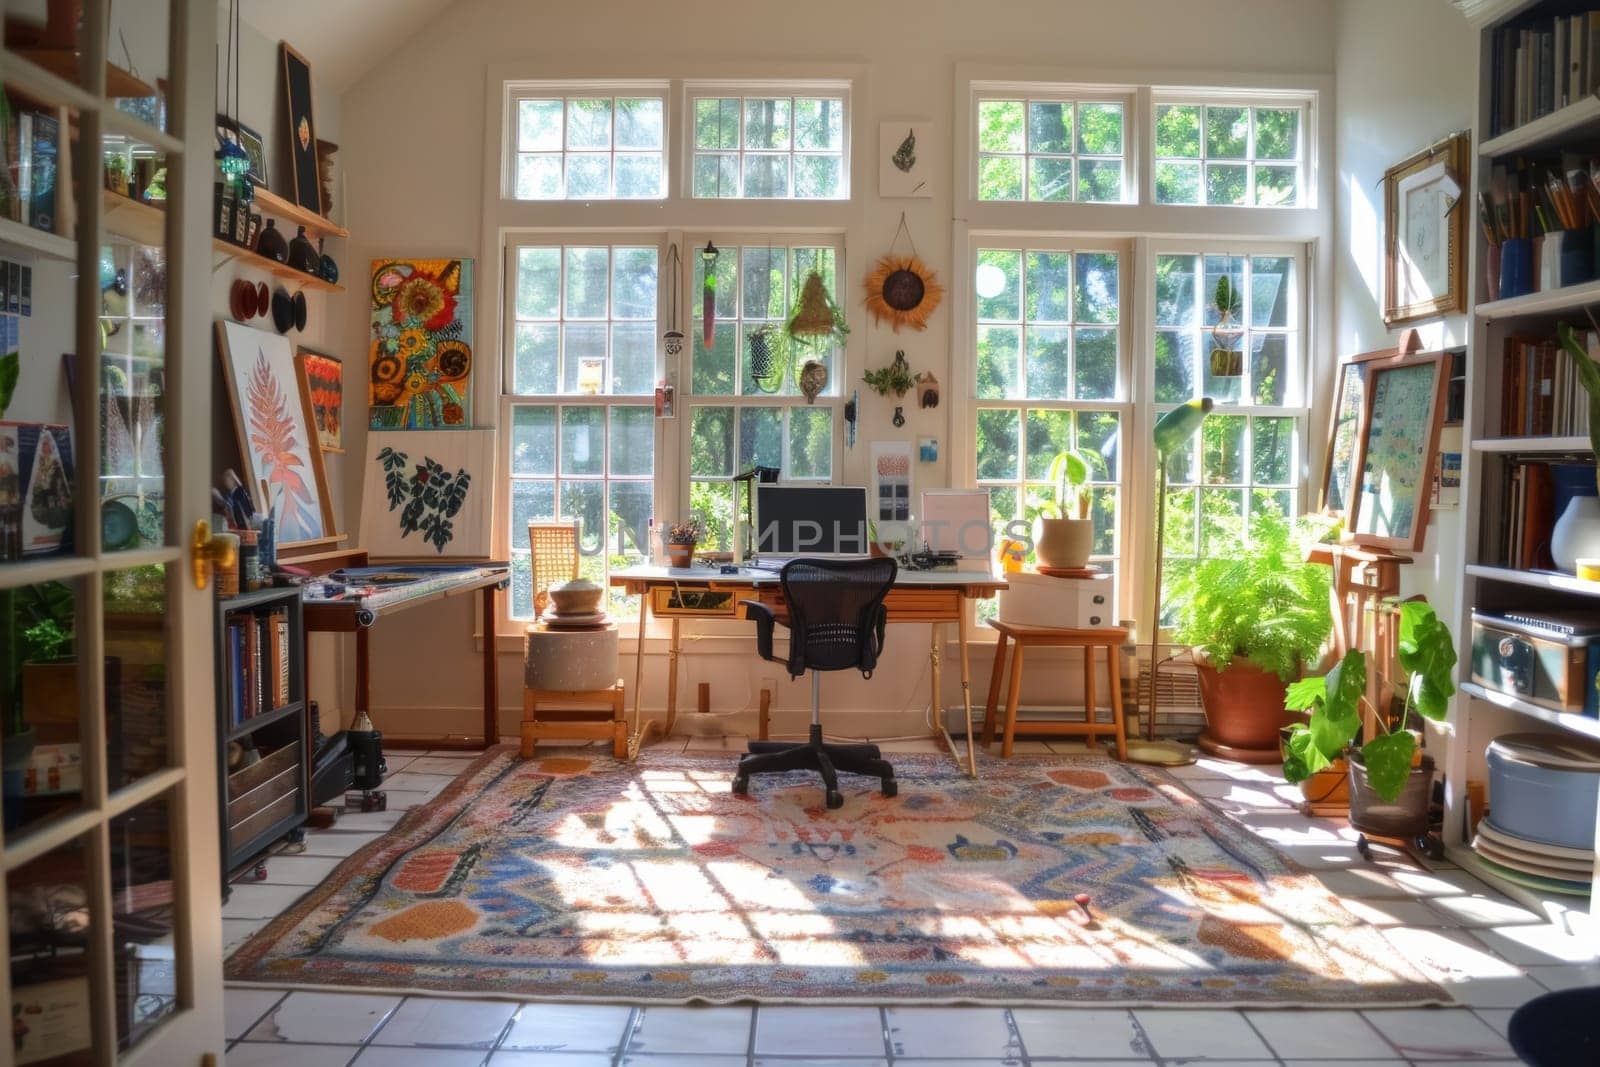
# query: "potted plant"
{"points": [[1063, 533], [1255, 613], [1227, 358], [682, 537], [1390, 779], [895, 378]]}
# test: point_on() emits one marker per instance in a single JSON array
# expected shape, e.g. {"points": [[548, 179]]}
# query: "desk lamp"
{"points": [[1173, 430], [766, 476]]}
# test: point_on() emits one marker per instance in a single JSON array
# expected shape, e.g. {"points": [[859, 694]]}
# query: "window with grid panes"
{"points": [[588, 147], [1051, 149], [1247, 453], [1049, 378], [767, 146], [736, 420], [1233, 154], [583, 317]]}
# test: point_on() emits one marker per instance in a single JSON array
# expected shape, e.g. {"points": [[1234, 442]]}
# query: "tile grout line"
{"points": [[1277, 1057]]}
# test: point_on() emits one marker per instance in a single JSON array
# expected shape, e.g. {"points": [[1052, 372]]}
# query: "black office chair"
{"points": [[836, 623]]}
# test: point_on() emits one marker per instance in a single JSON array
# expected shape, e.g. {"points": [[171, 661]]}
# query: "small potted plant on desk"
{"points": [[1391, 779], [1063, 533], [682, 537], [1255, 613], [41, 676]]}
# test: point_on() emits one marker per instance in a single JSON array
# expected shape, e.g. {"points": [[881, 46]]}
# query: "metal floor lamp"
{"points": [[1173, 430]]}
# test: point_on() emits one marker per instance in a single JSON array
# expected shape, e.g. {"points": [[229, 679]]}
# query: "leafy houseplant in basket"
{"points": [[1063, 532], [1390, 778], [1255, 613], [682, 537]]}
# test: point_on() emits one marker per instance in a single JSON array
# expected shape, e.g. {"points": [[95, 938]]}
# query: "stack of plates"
{"points": [[589, 620], [1545, 866]]}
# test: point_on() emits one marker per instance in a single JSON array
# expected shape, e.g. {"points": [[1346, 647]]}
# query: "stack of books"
{"points": [[1539, 389], [29, 146], [1542, 65], [257, 653]]}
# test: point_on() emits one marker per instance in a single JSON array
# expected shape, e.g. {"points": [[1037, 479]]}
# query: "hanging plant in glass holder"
{"points": [[764, 343], [1227, 355]]}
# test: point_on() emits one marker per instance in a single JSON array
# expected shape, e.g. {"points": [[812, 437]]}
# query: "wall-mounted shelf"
{"points": [[270, 203], [64, 63], [16, 235], [146, 223]]}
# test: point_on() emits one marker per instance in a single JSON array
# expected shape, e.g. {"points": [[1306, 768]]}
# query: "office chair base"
{"points": [[776, 757]]}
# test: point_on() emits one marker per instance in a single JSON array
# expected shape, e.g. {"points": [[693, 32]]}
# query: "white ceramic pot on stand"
{"points": [[1577, 533]]}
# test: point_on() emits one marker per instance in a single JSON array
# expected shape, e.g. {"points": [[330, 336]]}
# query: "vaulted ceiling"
{"points": [[343, 39]]}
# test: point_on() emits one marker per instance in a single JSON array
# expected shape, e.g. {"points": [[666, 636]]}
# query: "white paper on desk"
{"points": [[957, 520]]}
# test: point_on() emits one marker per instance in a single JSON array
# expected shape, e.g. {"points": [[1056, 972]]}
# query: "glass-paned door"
{"points": [[108, 850]]}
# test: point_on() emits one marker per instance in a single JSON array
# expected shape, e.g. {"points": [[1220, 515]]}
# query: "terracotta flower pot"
{"points": [[680, 555], [1244, 712], [1063, 542]]}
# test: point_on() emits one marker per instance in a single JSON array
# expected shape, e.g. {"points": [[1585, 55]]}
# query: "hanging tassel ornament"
{"points": [[708, 293]]}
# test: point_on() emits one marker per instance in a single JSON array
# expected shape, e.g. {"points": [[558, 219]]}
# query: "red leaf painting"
{"points": [[275, 444]]}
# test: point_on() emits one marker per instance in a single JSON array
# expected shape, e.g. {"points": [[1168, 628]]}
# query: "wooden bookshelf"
{"points": [[1571, 298], [1528, 446], [1576, 121]]}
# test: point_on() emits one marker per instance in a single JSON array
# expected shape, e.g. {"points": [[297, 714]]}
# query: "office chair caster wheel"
{"points": [[741, 784], [890, 787], [835, 799], [1364, 847]]}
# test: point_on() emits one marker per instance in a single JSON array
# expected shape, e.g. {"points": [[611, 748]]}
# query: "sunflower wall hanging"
{"points": [[421, 354], [902, 290]]}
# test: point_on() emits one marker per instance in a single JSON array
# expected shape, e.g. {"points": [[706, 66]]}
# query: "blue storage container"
{"points": [[1544, 787]]}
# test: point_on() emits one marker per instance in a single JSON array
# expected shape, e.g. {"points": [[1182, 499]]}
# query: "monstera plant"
{"points": [[1333, 706]]}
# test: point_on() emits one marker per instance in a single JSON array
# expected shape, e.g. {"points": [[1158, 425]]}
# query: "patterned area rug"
{"points": [[585, 878]]}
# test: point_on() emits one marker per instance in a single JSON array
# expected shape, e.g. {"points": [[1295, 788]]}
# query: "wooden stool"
{"points": [[572, 724], [1111, 638]]}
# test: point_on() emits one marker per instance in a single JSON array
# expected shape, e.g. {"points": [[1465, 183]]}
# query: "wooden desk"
{"points": [[358, 615], [1111, 638], [678, 593]]}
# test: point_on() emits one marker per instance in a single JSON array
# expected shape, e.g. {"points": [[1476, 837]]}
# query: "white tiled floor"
{"points": [[1491, 952]]}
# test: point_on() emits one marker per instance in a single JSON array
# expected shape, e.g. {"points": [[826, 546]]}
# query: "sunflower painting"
{"points": [[421, 362]]}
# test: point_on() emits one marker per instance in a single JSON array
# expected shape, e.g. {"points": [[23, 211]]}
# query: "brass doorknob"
{"points": [[210, 551]]}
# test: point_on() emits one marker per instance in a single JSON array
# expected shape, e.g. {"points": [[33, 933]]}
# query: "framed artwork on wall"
{"points": [[1425, 233], [253, 147], [905, 159], [302, 129], [1399, 444], [276, 442], [420, 367], [427, 494], [322, 386]]}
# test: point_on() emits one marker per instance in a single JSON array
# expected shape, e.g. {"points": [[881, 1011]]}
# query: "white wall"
{"points": [[1395, 98], [414, 160]]}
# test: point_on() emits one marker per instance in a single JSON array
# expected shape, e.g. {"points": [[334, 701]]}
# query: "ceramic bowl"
{"points": [[577, 597]]}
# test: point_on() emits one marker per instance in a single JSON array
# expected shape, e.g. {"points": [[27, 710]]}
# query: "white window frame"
{"points": [[1120, 403], [833, 398], [1297, 402], [1061, 94], [694, 90], [573, 89], [1309, 227], [1190, 97], [508, 400]]}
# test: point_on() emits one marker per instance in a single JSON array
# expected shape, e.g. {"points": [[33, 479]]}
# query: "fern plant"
{"points": [[1257, 600]]}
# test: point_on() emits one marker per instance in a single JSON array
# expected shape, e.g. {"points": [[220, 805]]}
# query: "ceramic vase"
{"points": [[303, 254], [1063, 542], [272, 244], [1576, 533]]}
